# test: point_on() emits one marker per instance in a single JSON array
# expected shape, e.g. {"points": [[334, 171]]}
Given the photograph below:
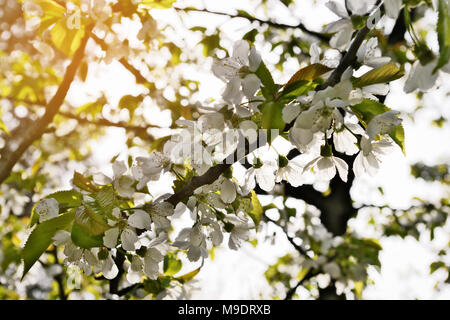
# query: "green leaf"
{"points": [[359, 285], [66, 39], [93, 214], [266, 78], [387, 73], [443, 30], [92, 108], [257, 209], [250, 36], [372, 243], [175, 52], [84, 239], [188, 276], [41, 238], [84, 183], [171, 265], [308, 73], [210, 43], [53, 12], [272, 116], [245, 14], [436, 265], [398, 135], [91, 218], [296, 89], [366, 110], [69, 198], [158, 4], [106, 199], [130, 103]]}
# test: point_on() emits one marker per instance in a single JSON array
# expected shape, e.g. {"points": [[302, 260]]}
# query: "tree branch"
{"points": [[292, 290], [107, 123], [114, 283], [290, 239], [30, 131], [346, 60], [301, 26]]}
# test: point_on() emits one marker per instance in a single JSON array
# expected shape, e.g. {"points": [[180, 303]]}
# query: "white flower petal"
{"points": [[254, 60], [140, 219], [110, 237], [232, 92], [290, 112], [337, 8], [227, 191], [250, 85], [342, 168], [241, 50], [393, 8], [128, 239]]}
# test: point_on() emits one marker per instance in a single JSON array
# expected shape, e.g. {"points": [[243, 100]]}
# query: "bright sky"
{"points": [[239, 275]]}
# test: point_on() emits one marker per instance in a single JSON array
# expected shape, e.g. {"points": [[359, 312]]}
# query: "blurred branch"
{"points": [[301, 26], [292, 290], [30, 131], [137, 74], [107, 123], [290, 239]]}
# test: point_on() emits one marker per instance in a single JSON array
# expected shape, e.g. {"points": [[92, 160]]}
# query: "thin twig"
{"points": [[301, 26]]}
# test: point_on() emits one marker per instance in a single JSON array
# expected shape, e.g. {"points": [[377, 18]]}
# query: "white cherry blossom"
{"points": [[238, 71], [343, 28], [325, 168], [368, 159], [370, 55], [292, 172], [47, 209]]}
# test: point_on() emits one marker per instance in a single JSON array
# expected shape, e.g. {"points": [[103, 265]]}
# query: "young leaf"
{"points": [[130, 103], [66, 39], [158, 4], [106, 198], [398, 135], [443, 30], [84, 239], [272, 116], [53, 12], [70, 198], [188, 276], [91, 218], [387, 73], [41, 238], [296, 89], [257, 209], [308, 73], [368, 109], [266, 78], [171, 265], [436, 266], [84, 183], [245, 14]]}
